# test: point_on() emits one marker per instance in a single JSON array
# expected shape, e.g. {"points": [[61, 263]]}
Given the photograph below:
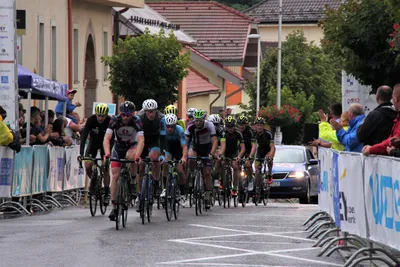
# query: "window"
{"points": [[105, 54], [75, 53], [54, 53], [309, 155], [41, 50]]}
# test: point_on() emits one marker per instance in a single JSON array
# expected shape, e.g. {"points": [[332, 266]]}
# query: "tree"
{"points": [[306, 71], [148, 66], [357, 34]]}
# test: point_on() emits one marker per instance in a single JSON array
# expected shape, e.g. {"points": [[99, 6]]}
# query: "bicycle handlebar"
{"points": [[80, 159], [123, 160], [200, 158]]}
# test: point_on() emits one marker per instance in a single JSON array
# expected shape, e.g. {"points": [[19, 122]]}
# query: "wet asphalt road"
{"points": [[250, 236]]}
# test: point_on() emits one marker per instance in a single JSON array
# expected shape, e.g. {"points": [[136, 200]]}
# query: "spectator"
{"points": [[335, 111], [59, 127], [51, 117], [382, 147], [70, 107], [72, 129], [21, 115], [228, 112], [394, 147], [6, 136], [379, 122], [327, 133], [349, 138], [222, 113]]}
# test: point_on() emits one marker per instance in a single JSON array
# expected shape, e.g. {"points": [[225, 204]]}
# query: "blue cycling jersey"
{"points": [[178, 136]]}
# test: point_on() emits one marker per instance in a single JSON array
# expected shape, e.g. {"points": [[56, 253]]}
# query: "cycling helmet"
{"points": [[230, 121], [214, 118], [101, 109], [199, 114], [149, 104], [190, 112], [171, 109], [259, 120], [242, 120], [171, 119], [127, 106]]}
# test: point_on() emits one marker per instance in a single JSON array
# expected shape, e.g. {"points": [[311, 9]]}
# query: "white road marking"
{"points": [[230, 264], [291, 250], [246, 242], [261, 226], [208, 237], [303, 259]]}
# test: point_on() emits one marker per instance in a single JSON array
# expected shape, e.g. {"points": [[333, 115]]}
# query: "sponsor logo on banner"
{"points": [[3, 37], [3, 28], [4, 79], [324, 182], [385, 201], [347, 212], [4, 87], [353, 100], [60, 169], [6, 171]]}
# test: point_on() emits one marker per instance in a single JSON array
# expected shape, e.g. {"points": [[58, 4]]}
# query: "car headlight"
{"points": [[297, 175]]}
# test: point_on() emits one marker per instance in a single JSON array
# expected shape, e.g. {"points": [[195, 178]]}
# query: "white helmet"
{"points": [[149, 104], [214, 118], [171, 119]]}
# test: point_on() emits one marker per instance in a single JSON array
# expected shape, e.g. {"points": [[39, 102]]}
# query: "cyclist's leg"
{"points": [[249, 169], [106, 180], [115, 170], [90, 152], [236, 174], [154, 154], [270, 164], [130, 155]]}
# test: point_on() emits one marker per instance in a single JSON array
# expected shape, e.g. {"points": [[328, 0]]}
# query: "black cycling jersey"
{"points": [[263, 143], [233, 142], [96, 131], [249, 139], [125, 134], [154, 132]]}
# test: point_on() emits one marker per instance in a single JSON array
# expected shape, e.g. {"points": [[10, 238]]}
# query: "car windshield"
{"points": [[289, 155]]}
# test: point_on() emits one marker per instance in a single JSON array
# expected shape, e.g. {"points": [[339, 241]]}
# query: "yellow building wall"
{"points": [[93, 19], [201, 102], [311, 31]]}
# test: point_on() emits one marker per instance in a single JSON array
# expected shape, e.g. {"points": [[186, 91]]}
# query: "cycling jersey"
{"points": [[263, 143], [154, 132], [175, 142], [203, 135], [219, 131], [125, 135], [249, 139], [182, 123], [201, 138], [96, 131], [233, 142]]}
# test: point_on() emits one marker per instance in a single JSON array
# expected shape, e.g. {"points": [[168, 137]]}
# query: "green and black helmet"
{"points": [[259, 120], [199, 114], [230, 121], [242, 120]]}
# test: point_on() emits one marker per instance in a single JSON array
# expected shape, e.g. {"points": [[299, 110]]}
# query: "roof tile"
{"points": [[293, 10], [220, 31], [197, 84]]}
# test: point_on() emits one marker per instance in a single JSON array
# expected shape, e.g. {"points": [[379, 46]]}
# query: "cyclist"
{"points": [[96, 126], [232, 146], [219, 130], [152, 122], [171, 109], [189, 117], [129, 143], [176, 150], [204, 144], [250, 142], [265, 149]]}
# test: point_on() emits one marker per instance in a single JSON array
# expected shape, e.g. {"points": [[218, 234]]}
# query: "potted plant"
{"points": [[280, 117]]}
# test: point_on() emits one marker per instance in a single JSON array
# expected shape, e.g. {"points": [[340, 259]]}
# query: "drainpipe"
{"points": [[218, 96], [70, 84], [116, 36]]}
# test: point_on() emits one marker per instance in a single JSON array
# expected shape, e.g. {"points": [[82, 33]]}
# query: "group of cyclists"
{"points": [[162, 137]]}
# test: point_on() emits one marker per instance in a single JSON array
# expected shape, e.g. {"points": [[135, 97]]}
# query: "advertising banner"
{"points": [[382, 199], [40, 169], [6, 171], [351, 193], [23, 172], [56, 170]]}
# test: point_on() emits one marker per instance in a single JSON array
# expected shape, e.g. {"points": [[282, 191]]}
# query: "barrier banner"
{"points": [[334, 193], [73, 179], [325, 177], [382, 199], [351, 194], [40, 169], [56, 170], [22, 180], [6, 171]]}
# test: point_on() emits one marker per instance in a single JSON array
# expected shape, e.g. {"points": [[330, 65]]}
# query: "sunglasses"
{"points": [[126, 114], [170, 126], [101, 116]]}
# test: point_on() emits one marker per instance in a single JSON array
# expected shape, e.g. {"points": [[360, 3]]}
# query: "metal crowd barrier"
{"points": [[359, 201], [39, 178]]}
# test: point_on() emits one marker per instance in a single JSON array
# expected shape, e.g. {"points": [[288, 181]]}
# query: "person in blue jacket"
{"points": [[349, 138], [70, 107]]}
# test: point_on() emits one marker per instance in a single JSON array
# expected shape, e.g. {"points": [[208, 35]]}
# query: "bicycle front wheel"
{"points": [[168, 199], [93, 195], [143, 196]]}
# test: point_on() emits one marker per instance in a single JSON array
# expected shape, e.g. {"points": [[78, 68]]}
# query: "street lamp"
{"points": [[258, 37], [278, 133]]}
